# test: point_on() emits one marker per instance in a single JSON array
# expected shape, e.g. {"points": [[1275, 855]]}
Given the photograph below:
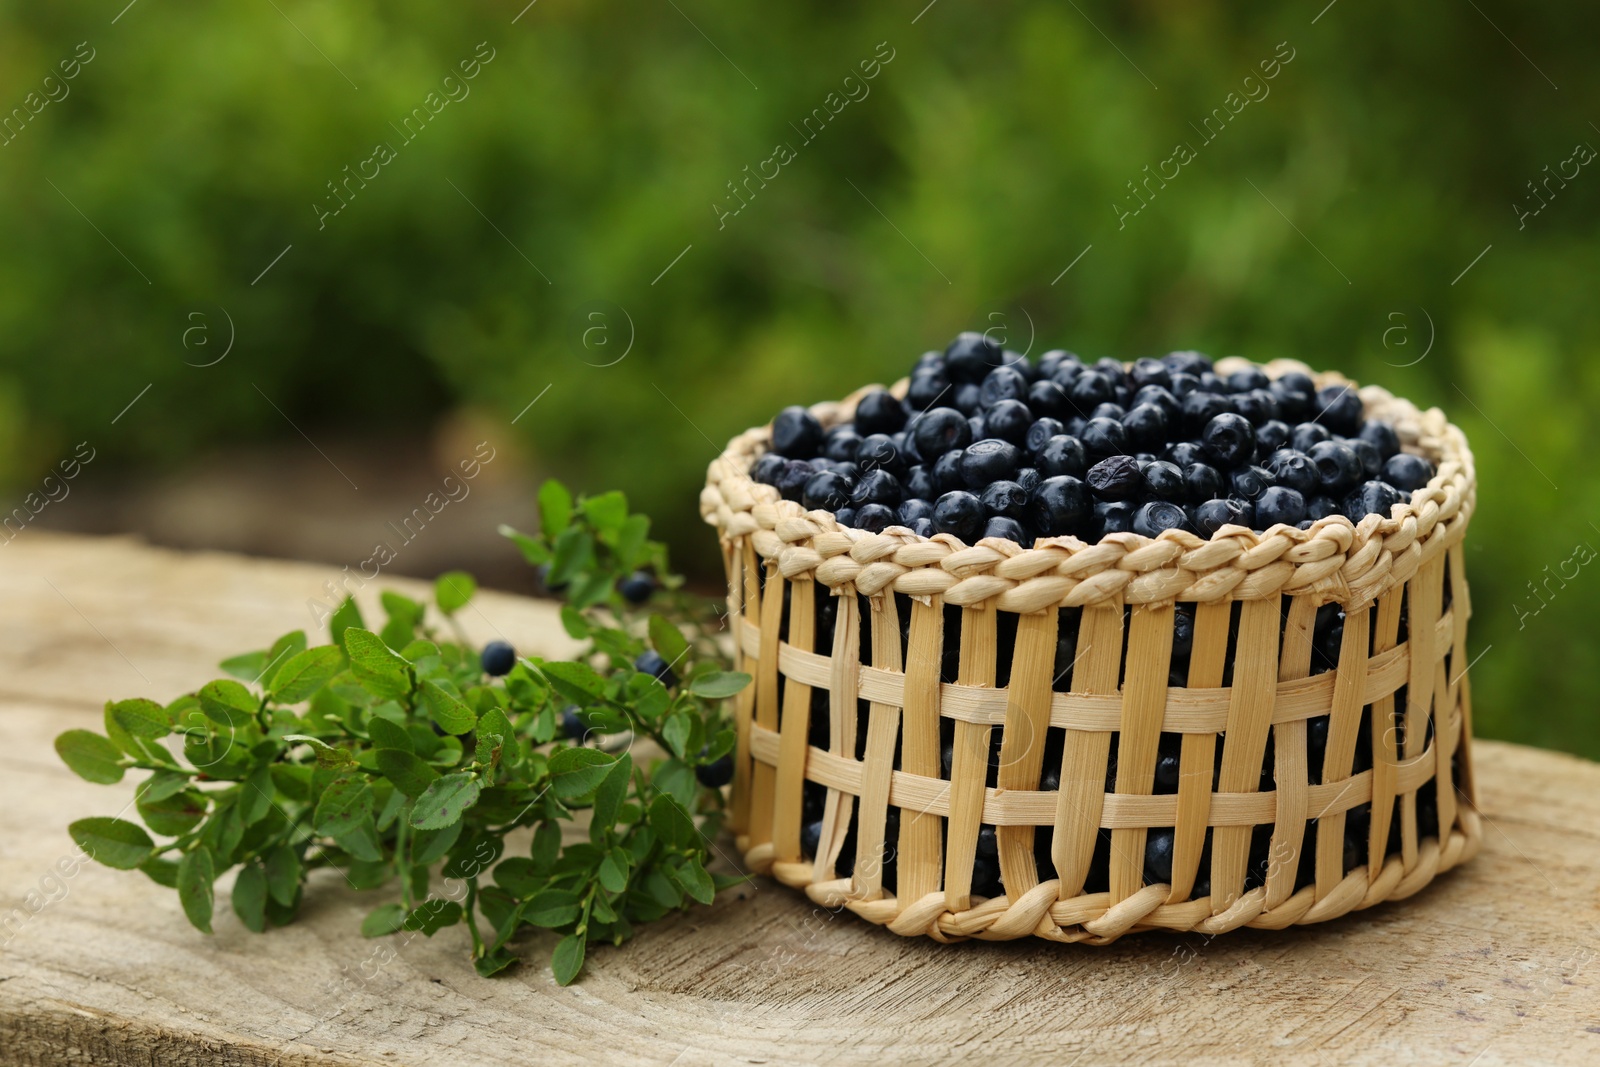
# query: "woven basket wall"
{"points": [[876, 657]]}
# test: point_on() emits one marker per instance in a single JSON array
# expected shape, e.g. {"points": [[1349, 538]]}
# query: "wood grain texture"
{"points": [[1496, 960]]}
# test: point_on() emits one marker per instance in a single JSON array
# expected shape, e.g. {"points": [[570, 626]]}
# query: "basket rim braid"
{"points": [[1406, 681]]}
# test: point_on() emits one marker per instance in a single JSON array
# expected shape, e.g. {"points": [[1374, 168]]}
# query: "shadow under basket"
{"points": [[1079, 741]]}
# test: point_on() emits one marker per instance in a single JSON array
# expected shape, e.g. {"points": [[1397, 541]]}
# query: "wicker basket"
{"points": [[877, 656]]}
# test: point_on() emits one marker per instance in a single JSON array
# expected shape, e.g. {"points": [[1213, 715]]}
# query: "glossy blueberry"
{"points": [[1149, 371], [971, 356], [1146, 426], [1059, 506], [1116, 478], [1279, 504], [1307, 434], [907, 444], [947, 472], [1047, 397], [845, 516], [1168, 762], [1338, 467], [1003, 383], [717, 773], [1228, 440], [964, 398], [765, 470], [1321, 506], [1182, 632], [1090, 389], [826, 491], [978, 427], [959, 513], [1195, 363], [1382, 436], [1367, 453], [922, 527], [1063, 455], [792, 477], [1114, 412], [1005, 498], [1183, 453], [637, 587], [938, 430], [1243, 381], [1201, 482], [1163, 481], [1293, 470], [1157, 516], [1200, 407], [840, 444], [876, 487], [1109, 517], [1029, 478], [879, 412], [913, 509], [1371, 498], [1271, 436], [1407, 472], [573, 728], [928, 388], [1213, 515], [1009, 420], [1104, 437], [796, 433], [1040, 432], [1160, 397], [1182, 385], [1259, 406], [1340, 409], [651, 663], [989, 460], [878, 452], [920, 483], [1247, 483], [874, 518], [1007, 529], [498, 658]]}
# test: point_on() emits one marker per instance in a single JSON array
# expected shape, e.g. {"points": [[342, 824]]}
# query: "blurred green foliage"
{"points": [[1331, 220]]}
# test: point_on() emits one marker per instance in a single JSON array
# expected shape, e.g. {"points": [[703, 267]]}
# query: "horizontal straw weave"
{"points": [[1255, 599]]}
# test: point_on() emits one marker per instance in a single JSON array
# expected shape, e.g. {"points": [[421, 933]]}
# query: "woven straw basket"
{"points": [[1318, 773]]}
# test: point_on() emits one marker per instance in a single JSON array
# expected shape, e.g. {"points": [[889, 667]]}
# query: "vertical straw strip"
{"points": [[766, 704], [1290, 771], [883, 725], [1255, 672], [1086, 753], [748, 606], [1384, 758], [845, 673], [1344, 724], [1424, 599], [1144, 704], [1022, 740], [921, 835], [1197, 759], [969, 766], [793, 728], [1449, 722]]}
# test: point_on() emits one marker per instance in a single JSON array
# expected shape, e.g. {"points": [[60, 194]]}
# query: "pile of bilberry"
{"points": [[989, 444]]}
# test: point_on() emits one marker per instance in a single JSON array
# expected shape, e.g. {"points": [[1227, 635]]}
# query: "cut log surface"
{"points": [[1494, 963]]}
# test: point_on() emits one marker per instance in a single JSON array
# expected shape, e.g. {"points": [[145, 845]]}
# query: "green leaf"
{"points": [[430, 845], [695, 881], [609, 796], [676, 779], [163, 784], [250, 897], [431, 916], [386, 733], [327, 755], [573, 553], [667, 639], [173, 815], [576, 681], [255, 795], [196, 872], [283, 870], [113, 842], [304, 674], [675, 732], [247, 667], [344, 806], [344, 616], [613, 871], [444, 801], [227, 702], [575, 623], [446, 709], [555, 509], [288, 645], [719, 684], [672, 823], [630, 542], [492, 964], [606, 512], [362, 843], [161, 872], [380, 670], [577, 772], [141, 718], [92, 757], [408, 773], [405, 615], [452, 590], [382, 920], [546, 844], [518, 876], [552, 908], [567, 960]]}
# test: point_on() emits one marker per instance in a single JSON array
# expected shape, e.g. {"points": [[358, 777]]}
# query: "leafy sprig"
{"points": [[390, 756]]}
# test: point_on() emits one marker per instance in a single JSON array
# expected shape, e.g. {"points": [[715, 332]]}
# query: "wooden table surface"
{"points": [[1495, 963]]}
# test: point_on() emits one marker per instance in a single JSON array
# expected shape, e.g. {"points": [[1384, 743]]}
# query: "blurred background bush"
{"points": [[565, 210]]}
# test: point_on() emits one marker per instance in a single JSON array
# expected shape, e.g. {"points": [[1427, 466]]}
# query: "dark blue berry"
{"points": [[651, 663], [845, 516], [964, 398], [765, 470], [912, 510], [1149, 371], [1338, 467], [840, 444], [876, 487], [947, 471], [1228, 440], [1111, 516], [879, 412], [1293, 470], [1059, 506], [1182, 385], [1407, 472], [1271, 436], [1308, 434], [959, 513], [1154, 518], [878, 452], [497, 658], [1146, 426], [1249, 482], [928, 388], [1007, 530], [922, 527], [1321, 506], [1009, 420], [717, 773], [1183, 453], [971, 356], [1029, 478], [1200, 407], [637, 587], [874, 518], [1213, 515], [989, 460], [1371, 498], [1104, 437], [1163, 481], [826, 491], [1340, 409], [1279, 504], [920, 482], [1114, 412], [1367, 453], [1201, 482], [1005, 498], [1040, 432], [1116, 478], [938, 430], [796, 433], [1049, 398], [1188, 362], [1296, 394], [1159, 397], [572, 725], [1089, 390], [1382, 436], [1063, 454], [977, 427], [1243, 381], [792, 478], [811, 838], [1258, 406], [1003, 383], [1159, 844]]}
